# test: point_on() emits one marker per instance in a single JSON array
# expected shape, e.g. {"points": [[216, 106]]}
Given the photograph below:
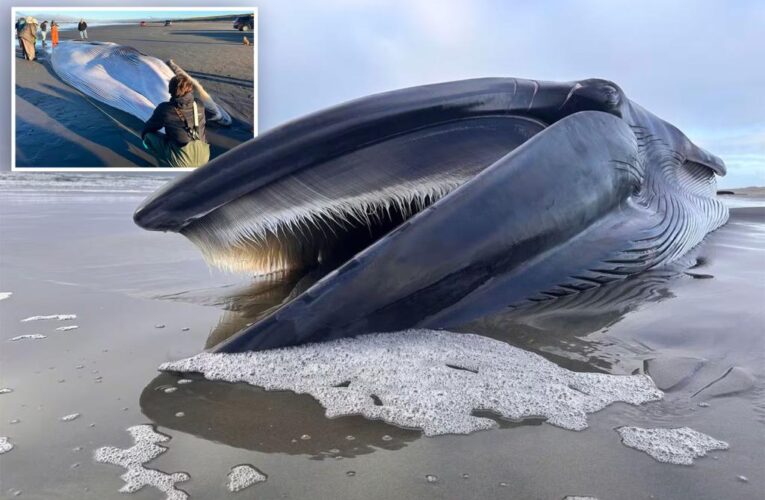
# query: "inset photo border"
{"points": [[96, 96]]}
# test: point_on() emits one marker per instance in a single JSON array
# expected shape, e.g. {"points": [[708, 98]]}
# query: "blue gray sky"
{"points": [[695, 63]]}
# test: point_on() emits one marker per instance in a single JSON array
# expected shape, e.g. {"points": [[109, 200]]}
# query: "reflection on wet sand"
{"points": [[248, 417], [245, 305], [562, 329]]}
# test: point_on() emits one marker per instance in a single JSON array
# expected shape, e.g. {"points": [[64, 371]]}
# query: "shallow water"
{"points": [[74, 250]]}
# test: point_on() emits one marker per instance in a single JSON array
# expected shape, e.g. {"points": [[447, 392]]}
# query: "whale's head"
{"points": [[343, 188]]}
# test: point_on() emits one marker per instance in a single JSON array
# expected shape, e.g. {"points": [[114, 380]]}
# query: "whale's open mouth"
{"points": [[315, 192], [270, 236], [324, 215]]}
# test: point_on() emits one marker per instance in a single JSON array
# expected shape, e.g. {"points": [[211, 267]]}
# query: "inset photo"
{"points": [[131, 89]]}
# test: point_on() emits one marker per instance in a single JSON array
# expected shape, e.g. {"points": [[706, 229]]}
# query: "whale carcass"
{"points": [[432, 206], [123, 77]]}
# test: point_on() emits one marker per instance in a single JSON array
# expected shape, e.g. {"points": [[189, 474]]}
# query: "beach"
{"points": [[143, 298], [57, 126]]}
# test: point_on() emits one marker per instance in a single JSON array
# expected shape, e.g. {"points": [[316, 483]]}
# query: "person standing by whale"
{"points": [[54, 33], [43, 32], [19, 27], [184, 143], [28, 37], [82, 27]]}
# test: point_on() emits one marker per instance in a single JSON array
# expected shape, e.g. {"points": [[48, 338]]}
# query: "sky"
{"points": [[696, 63]]}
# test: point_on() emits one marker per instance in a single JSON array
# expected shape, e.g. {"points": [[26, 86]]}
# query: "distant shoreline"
{"points": [[72, 25], [743, 191]]}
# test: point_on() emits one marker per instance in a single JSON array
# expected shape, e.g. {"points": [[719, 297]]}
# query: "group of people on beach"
{"points": [[28, 29]]}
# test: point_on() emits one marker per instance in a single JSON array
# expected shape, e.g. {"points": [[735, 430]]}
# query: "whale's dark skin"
{"points": [[560, 187]]}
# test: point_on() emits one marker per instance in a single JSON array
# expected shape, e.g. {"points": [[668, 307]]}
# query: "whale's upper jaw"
{"points": [[470, 180]]}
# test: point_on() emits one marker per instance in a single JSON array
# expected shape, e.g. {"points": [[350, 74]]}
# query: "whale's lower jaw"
{"points": [[426, 211]]}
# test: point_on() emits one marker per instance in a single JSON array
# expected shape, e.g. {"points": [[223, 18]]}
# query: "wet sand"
{"points": [[56, 126], [78, 252]]}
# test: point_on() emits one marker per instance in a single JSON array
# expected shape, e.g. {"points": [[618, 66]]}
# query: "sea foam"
{"points": [[133, 459], [57, 317], [428, 380], [244, 476], [5, 445], [674, 446], [30, 336]]}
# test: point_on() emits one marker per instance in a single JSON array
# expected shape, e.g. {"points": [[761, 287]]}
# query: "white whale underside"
{"points": [[113, 74], [121, 77]]}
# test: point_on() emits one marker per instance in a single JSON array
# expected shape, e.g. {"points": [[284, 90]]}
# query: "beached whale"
{"points": [[435, 205], [123, 77]]}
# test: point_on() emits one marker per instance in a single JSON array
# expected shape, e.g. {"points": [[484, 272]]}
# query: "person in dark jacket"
{"points": [[19, 27], [82, 27], [184, 143]]}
